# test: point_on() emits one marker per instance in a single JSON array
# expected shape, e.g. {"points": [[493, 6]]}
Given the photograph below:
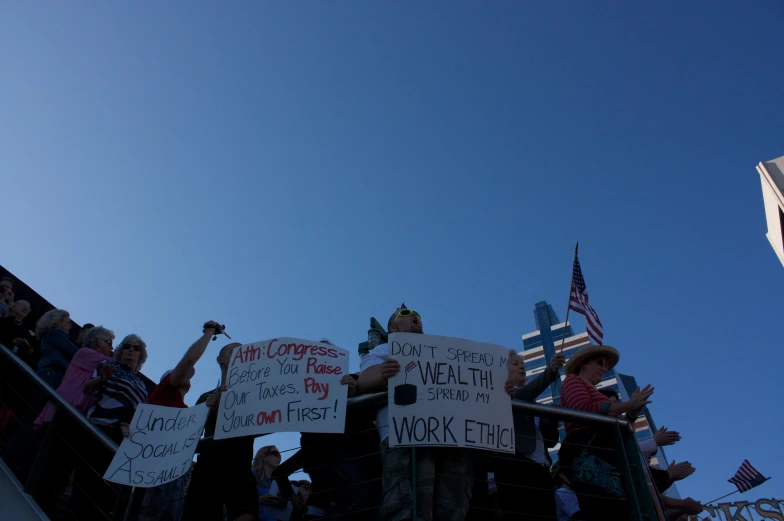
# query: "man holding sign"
{"points": [[222, 477], [443, 474]]}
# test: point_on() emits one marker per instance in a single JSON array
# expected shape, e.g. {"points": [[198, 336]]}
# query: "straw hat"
{"points": [[577, 359]]}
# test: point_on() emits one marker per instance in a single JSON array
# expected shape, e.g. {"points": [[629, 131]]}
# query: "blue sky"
{"points": [[294, 168]]}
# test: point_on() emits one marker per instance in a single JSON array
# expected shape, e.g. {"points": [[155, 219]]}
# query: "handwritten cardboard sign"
{"points": [[449, 392], [284, 385], [161, 445]]}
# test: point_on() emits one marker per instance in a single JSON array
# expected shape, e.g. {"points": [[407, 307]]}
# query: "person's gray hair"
{"points": [[49, 321], [512, 352], [93, 335], [142, 354]]}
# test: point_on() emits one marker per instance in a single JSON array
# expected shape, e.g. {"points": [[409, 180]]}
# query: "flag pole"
{"points": [[735, 492], [722, 497], [568, 302]]}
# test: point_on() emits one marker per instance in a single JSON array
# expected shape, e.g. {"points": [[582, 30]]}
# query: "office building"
{"points": [[772, 179]]}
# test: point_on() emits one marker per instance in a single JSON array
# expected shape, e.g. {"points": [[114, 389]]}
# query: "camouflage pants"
{"points": [[443, 488]]}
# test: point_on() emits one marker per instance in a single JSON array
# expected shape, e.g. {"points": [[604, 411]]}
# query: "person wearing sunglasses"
{"points": [[448, 496], [265, 462], [116, 388]]}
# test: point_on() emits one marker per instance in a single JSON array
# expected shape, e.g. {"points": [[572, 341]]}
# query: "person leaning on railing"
{"points": [[117, 388], [587, 455], [117, 391], [72, 439], [448, 496]]}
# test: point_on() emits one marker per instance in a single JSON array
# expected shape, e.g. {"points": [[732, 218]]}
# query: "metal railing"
{"points": [[640, 504]]}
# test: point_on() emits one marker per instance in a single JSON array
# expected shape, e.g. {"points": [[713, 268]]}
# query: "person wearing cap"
{"points": [[446, 497], [587, 455], [165, 502]]}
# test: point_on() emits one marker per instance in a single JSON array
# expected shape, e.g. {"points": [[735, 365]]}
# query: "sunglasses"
{"points": [[107, 340], [273, 453], [130, 346], [405, 313]]}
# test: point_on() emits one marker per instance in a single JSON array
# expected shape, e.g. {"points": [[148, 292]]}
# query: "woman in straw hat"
{"points": [[587, 454]]}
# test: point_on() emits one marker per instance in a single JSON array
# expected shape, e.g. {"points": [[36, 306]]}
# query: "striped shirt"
{"points": [[578, 394], [116, 399]]}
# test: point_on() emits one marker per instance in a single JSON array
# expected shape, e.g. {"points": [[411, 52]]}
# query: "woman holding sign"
{"points": [[117, 389]]}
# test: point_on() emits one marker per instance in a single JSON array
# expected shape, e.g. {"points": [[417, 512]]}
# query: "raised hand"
{"points": [[679, 471], [664, 437], [509, 387], [639, 398]]}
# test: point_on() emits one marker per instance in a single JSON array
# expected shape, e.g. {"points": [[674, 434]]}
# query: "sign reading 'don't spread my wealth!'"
{"points": [[449, 392], [284, 385], [161, 445]]}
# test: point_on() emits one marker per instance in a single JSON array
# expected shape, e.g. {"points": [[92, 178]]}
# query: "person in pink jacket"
{"points": [[97, 348], [60, 476]]}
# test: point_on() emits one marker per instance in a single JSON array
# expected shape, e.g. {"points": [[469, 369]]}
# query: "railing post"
{"points": [[413, 483], [38, 469], [637, 493]]}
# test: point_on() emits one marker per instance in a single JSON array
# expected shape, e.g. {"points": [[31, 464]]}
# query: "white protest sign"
{"points": [[284, 385], [449, 392], [161, 445]]}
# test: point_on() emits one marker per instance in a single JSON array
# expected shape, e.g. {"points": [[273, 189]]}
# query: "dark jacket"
{"points": [[56, 350], [525, 433]]}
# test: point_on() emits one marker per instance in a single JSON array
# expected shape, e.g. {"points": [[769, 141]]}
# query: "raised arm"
{"points": [[192, 355]]}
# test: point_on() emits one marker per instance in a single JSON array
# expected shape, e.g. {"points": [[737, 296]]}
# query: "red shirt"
{"points": [[167, 395], [578, 394]]}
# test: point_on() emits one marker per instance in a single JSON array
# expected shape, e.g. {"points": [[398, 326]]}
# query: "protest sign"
{"points": [[161, 445], [284, 385], [449, 392]]}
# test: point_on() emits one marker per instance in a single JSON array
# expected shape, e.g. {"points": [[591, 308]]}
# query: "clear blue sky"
{"points": [[292, 168]]}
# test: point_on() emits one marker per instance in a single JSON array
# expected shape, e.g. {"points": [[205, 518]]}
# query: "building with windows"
{"points": [[541, 345], [772, 179]]}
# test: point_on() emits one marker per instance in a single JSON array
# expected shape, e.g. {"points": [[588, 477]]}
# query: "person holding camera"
{"points": [[165, 502], [222, 477]]}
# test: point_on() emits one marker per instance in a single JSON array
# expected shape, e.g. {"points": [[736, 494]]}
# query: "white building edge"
{"points": [[772, 179]]}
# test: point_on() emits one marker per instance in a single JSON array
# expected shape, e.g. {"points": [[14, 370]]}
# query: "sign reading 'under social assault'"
{"points": [[161, 445], [449, 392], [284, 385]]}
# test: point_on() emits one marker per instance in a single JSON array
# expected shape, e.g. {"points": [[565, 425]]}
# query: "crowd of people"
{"points": [[354, 475]]}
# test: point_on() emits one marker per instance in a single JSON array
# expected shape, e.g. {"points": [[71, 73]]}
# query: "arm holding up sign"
{"points": [[374, 378]]}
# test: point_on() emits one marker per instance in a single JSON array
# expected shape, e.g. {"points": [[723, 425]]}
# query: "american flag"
{"points": [[578, 301], [747, 477]]}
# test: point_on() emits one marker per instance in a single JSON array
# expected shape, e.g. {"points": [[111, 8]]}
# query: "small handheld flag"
{"points": [[747, 477], [578, 301]]}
